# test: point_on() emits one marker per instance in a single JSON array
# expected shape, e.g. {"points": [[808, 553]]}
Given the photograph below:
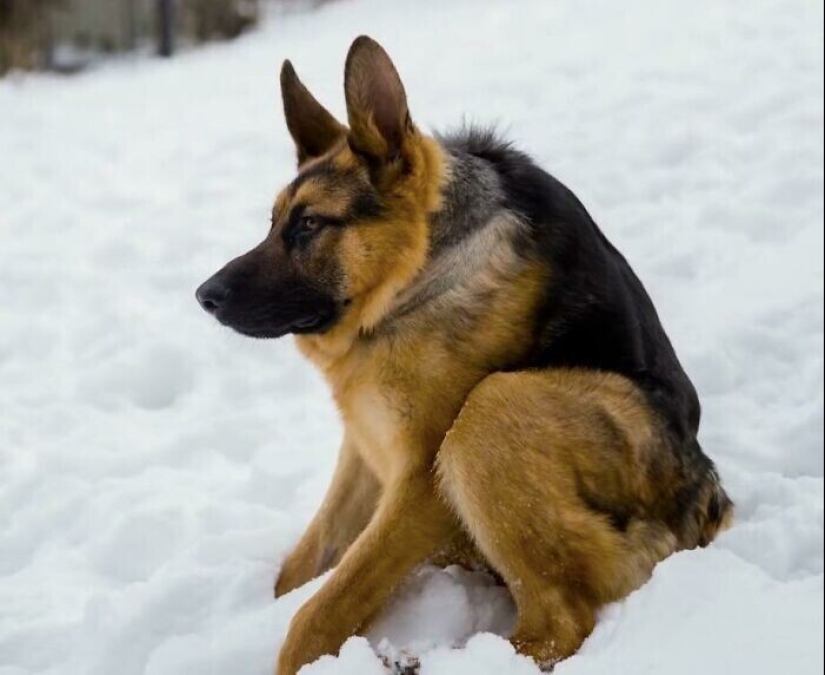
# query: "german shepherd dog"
{"points": [[508, 394]]}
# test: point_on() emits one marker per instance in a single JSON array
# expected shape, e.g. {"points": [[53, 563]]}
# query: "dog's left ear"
{"points": [[379, 120], [311, 125]]}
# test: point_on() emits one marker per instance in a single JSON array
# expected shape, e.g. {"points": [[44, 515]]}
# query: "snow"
{"points": [[155, 469]]}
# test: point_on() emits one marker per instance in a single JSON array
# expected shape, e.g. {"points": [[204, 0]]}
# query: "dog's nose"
{"points": [[212, 294]]}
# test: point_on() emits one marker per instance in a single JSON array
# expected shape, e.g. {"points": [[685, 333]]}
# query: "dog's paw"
{"points": [[401, 663]]}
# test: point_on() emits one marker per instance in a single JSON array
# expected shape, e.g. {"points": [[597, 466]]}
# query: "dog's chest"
{"points": [[375, 424], [397, 413]]}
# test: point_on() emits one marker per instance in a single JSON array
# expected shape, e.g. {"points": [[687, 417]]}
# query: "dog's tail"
{"points": [[716, 510]]}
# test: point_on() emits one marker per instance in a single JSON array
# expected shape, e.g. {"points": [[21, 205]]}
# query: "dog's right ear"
{"points": [[312, 127], [376, 102]]}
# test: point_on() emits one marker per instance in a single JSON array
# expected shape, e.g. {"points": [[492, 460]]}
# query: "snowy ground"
{"points": [[156, 469]]}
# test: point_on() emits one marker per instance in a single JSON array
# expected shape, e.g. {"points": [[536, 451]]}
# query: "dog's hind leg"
{"points": [[347, 508], [548, 472]]}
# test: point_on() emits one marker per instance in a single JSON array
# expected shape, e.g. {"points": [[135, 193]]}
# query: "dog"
{"points": [[508, 393]]}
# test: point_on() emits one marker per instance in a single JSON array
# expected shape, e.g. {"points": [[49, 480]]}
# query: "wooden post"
{"points": [[131, 29], [166, 25]]}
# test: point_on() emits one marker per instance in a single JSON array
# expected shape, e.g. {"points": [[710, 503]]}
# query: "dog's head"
{"points": [[350, 231]]}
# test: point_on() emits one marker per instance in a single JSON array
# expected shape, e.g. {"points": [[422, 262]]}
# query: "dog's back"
{"points": [[595, 313]]}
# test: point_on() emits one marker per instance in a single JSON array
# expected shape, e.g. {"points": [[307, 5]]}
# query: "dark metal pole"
{"points": [[166, 24]]}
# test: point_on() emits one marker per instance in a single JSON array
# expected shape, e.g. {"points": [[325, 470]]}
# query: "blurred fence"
{"points": [[65, 34]]}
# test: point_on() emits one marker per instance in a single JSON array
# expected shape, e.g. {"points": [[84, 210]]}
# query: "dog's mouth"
{"points": [[315, 323], [311, 323]]}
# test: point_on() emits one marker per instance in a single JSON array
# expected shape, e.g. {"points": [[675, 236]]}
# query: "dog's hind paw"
{"points": [[401, 663]]}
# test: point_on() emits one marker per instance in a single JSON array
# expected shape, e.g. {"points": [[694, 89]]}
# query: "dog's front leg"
{"points": [[347, 508], [410, 526]]}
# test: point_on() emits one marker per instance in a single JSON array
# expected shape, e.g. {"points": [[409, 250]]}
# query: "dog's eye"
{"points": [[302, 230], [309, 224]]}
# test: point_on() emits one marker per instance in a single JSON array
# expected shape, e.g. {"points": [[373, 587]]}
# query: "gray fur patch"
{"points": [[470, 199]]}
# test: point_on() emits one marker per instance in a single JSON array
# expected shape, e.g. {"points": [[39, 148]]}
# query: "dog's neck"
{"points": [[468, 238]]}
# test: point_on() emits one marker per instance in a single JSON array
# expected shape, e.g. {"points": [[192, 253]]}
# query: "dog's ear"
{"points": [[379, 120], [311, 125]]}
